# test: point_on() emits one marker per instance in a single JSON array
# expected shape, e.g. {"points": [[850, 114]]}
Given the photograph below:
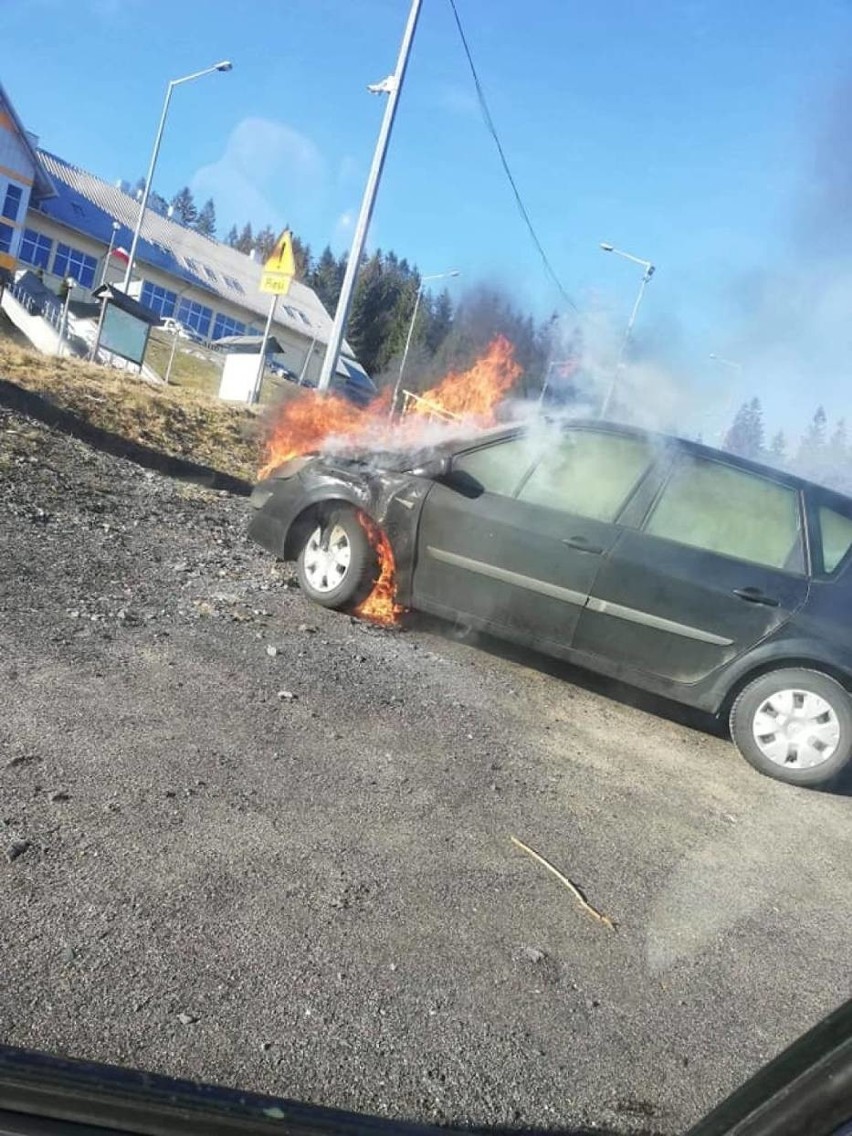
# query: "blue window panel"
{"points": [[35, 248], [196, 316], [224, 325], [12, 201], [6, 234], [72, 262], [159, 300]]}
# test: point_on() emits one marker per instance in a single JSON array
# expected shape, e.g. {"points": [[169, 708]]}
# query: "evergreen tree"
{"points": [[264, 242], [812, 454], [439, 322], [326, 278], [778, 448], [184, 207], [838, 447], [206, 221], [745, 437], [245, 241], [232, 237], [302, 256]]}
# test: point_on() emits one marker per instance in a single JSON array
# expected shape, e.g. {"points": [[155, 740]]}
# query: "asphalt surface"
{"points": [[254, 842]]}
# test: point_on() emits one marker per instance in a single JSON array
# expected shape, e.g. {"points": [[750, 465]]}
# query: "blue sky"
{"points": [[684, 132]]}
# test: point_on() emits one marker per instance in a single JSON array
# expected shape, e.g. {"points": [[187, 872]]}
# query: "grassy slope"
{"points": [[175, 420]]}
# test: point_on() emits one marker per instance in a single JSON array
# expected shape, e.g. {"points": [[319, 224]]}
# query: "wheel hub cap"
{"points": [[797, 729], [327, 558]]}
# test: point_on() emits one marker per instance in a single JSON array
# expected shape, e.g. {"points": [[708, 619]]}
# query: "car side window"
{"points": [[835, 536], [588, 473], [713, 506], [498, 468]]}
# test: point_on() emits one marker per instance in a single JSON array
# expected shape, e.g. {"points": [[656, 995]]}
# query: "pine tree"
{"points": [[326, 279], [245, 241], [745, 437], [206, 220], [440, 321], [232, 237], [302, 256], [778, 448], [838, 447], [184, 207], [811, 457], [264, 242]]}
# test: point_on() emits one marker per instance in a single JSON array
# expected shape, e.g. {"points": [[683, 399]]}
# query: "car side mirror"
{"points": [[433, 468]]}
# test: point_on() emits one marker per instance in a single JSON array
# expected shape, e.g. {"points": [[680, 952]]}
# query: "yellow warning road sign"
{"points": [[280, 267]]}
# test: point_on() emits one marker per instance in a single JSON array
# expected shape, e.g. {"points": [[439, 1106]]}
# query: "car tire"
{"points": [[794, 725], [337, 566]]}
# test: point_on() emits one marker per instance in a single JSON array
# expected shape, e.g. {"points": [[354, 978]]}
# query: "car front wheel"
{"points": [[794, 725], [336, 565]]}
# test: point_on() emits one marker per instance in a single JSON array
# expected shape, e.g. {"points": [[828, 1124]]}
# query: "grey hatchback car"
{"points": [[685, 571]]}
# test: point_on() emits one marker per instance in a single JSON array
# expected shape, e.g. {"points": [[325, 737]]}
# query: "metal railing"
{"points": [[414, 404]]}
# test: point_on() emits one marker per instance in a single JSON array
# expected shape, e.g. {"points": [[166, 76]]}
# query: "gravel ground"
{"points": [[254, 842]]}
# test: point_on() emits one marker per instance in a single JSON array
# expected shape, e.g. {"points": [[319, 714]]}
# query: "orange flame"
{"points": [[306, 421], [380, 606]]}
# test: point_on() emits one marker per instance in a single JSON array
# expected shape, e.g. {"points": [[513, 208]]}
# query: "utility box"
{"points": [[241, 362]]}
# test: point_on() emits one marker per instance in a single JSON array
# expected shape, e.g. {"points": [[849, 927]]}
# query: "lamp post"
{"points": [[70, 284], [423, 280], [646, 276], [113, 235], [391, 86], [726, 362], [225, 65]]}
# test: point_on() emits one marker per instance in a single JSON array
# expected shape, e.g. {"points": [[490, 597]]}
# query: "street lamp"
{"points": [[113, 235], [423, 280], [646, 276], [70, 284], [726, 362], [225, 65]]}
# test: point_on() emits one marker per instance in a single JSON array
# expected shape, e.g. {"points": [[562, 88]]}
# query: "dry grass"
{"points": [[193, 368], [174, 420]]}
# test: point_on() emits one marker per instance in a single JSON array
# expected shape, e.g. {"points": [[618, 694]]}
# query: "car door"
{"points": [[514, 537], [717, 565]]}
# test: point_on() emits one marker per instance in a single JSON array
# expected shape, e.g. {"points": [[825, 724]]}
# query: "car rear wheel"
{"points": [[336, 565], [794, 725]]}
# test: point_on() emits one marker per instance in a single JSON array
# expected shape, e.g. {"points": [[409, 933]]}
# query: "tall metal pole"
{"points": [[115, 228], [393, 87], [619, 366], [261, 363], [149, 177], [402, 361], [71, 284], [225, 65], [309, 354]]}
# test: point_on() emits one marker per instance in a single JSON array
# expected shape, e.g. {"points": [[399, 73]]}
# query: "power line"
{"points": [[492, 130]]}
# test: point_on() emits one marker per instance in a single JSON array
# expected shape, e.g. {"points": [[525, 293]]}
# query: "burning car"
{"points": [[690, 573]]}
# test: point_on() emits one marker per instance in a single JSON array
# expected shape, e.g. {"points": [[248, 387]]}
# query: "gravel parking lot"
{"points": [[254, 842]]}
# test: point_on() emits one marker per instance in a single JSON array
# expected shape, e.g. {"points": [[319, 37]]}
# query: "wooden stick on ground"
{"points": [[575, 891]]}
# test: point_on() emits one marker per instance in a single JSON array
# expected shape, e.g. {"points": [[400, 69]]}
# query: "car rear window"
{"points": [[836, 534], [710, 505], [588, 474]]}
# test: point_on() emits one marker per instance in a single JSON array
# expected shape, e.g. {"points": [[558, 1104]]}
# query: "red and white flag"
{"points": [[121, 254]]}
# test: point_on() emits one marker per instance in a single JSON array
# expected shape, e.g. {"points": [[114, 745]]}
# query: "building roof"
{"points": [[85, 203], [42, 185]]}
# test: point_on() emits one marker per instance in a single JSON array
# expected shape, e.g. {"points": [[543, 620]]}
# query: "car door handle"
{"points": [[756, 596], [582, 545]]}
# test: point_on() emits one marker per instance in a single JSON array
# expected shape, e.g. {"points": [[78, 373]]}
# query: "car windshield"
{"points": [[425, 538]]}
